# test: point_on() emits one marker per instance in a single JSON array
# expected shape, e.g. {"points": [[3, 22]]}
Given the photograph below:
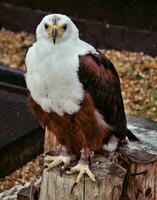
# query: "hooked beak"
{"points": [[54, 34]]}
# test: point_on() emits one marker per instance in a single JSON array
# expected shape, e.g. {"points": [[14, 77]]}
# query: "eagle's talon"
{"points": [[45, 166], [63, 169], [82, 169], [73, 186], [53, 161], [43, 155]]}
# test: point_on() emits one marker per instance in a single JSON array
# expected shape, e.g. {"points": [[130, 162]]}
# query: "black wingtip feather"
{"points": [[131, 136]]}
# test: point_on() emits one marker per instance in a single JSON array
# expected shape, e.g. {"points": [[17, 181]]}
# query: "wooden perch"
{"points": [[134, 177], [109, 183], [141, 179]]}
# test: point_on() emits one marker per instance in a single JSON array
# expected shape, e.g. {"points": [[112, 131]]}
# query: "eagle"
{"points": [[75, 93]]}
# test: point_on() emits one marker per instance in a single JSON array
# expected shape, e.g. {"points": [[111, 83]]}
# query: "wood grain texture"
{"points": [[50, 140], [108, 186], [141, 181], [55, 187]]}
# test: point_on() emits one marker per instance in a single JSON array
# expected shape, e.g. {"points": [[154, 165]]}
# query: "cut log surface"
{"points": [[108, 185], [133, 177]]}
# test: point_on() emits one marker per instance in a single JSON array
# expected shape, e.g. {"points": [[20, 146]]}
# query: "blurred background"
{"points": [[124, 30]]}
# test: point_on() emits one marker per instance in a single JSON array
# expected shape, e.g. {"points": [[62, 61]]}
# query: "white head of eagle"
{"points": [[52, 65], [57, 28]]}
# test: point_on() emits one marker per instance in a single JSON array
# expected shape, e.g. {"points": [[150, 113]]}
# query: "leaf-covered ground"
{"points": [[138, 74]]}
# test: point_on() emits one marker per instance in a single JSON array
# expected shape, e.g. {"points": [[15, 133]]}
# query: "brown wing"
{"points": [[100, 78]]}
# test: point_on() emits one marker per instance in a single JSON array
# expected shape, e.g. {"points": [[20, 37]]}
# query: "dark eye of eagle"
{"points": [[46, 26], [65, 26]]}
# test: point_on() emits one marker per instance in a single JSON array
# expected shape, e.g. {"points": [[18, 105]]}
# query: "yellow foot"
{"points": [[53, 161], [82, 169]]}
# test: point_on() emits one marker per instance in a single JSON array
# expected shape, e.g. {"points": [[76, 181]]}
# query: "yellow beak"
{"points": [[54, 34]]}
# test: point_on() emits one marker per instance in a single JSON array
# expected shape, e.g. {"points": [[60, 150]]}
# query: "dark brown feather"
{"points": [[100, 78]]}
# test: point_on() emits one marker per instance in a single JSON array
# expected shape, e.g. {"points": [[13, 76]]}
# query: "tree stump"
{"points": [[110, 177], [134, 177], [140, 161]]}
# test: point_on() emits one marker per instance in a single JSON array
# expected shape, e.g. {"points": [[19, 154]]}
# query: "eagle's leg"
{"points": [[82, 167], [64, 157]]}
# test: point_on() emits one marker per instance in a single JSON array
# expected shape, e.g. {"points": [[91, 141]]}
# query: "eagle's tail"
{"points": [[131, 136]]}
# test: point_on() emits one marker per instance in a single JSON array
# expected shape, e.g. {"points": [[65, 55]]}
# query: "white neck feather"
{"points": [[52, 76]]}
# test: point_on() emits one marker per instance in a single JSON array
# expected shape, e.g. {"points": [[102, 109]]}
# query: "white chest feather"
{"points": [[52, 76]]}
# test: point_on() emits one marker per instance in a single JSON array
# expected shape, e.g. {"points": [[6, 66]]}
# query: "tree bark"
{"points": [[140, 182]]}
